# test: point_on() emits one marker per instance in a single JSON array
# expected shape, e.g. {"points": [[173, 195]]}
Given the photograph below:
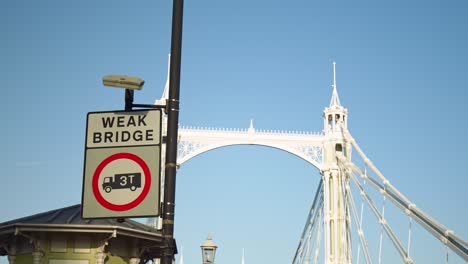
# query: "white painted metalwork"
{"points": [[409, 236], [360, 231], [446, 236], [358, 222], [330, 152], [454, 242], [336, 231], [381, 231], [194, 141], [312, 224]]}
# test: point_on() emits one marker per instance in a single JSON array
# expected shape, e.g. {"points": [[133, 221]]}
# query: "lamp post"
{"points": [[208, 250]]}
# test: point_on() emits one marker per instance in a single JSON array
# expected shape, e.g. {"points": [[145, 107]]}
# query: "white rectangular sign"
{"points": [[137, 128], [122, 169]]}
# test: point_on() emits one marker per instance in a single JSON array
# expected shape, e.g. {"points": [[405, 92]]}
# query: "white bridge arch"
{"points": [[333, 206], [195, 141]]}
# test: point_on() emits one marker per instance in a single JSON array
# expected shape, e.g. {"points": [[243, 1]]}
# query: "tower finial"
{"points": [[166, 88], [251, 127], [335, 100], [334, 75]]}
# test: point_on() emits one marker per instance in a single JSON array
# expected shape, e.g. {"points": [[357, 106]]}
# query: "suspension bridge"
{"points": [[334, 232]]}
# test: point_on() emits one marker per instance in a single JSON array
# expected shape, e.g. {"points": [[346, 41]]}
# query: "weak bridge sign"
{"points": [[122, 164], [122, 128]]}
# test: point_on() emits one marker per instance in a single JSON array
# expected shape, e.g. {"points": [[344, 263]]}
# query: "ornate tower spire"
{"points": [[165, 95], [335, 115], [335, 99], [166, 87]]}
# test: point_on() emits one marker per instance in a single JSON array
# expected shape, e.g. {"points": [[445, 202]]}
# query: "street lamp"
{"points": [[208, 250]]}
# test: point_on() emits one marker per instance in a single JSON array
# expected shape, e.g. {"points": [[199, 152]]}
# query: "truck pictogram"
{"points": [[130, 181]]}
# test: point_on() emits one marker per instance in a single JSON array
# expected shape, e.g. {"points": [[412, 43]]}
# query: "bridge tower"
{"points": [[336, 215]]}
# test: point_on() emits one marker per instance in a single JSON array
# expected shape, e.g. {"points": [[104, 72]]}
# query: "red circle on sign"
{"points": [[132, 204]]}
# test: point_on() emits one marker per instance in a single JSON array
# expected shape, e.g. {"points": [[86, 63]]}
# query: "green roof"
{"points": [[72, 216], [68, 220]]}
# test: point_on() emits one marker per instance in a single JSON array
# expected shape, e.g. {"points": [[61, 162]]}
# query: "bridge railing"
{"points": [[189, 129]]}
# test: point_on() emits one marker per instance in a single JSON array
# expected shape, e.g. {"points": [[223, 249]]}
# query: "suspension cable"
{"points": [[307, 250], [360, 219], [409, 235], [446, 255], [310, 243], [362, 239], [314, 229], [319, 231], [311, 222], [381, 230], [396, 242], [450, 234], [369, 163], [347, 216], [446, 236]]}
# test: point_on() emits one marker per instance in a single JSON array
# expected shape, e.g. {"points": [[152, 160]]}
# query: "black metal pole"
{"points": [[172, 132], [128, 99]]}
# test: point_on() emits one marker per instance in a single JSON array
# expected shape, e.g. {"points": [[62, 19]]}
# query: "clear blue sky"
{"points": [[402, 74]]}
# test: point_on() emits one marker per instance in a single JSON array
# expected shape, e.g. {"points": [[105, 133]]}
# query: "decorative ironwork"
{"points": [[195, 141]]}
